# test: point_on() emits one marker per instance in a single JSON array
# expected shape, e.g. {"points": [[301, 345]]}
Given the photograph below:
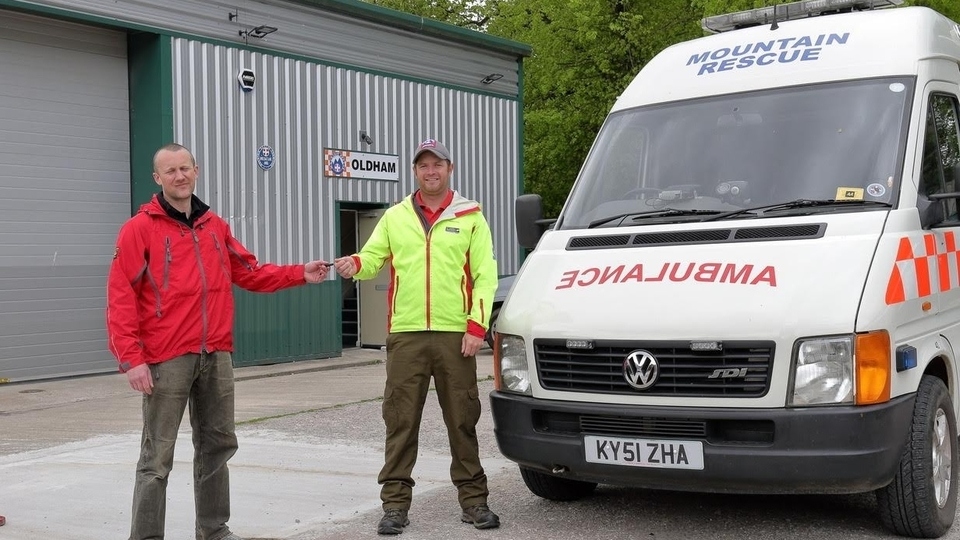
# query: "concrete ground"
{"points": [[311, 445]]}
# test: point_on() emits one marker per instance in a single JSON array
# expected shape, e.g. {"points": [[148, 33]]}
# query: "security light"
{"points": [[258, 32]]}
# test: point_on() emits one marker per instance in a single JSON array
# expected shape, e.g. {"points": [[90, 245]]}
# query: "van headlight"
{"points": [[823, 372], [513, 370]]}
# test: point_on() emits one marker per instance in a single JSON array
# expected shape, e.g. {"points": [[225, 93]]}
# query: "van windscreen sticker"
{"points": [[765, 53], [708, 272]]}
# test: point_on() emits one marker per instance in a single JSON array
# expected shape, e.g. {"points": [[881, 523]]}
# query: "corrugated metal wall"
{"points": [[330, 31], [287, 214], [332, 69]]}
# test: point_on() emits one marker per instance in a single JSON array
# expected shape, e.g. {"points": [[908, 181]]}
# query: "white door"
{"points": [[373, 292]]}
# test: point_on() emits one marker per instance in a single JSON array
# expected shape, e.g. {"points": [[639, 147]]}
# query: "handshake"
{"points": [[316, 271]]}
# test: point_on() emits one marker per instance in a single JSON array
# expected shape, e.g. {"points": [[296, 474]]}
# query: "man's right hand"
{"points": [[141, 379], [345, 266]]}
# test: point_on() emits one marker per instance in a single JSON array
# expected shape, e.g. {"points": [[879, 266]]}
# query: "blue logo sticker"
{"points": [[265, 157], [876, 190], [337, 164]]}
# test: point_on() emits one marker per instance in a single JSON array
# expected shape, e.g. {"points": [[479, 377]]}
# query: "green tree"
{"points": [[950, 8], [585, 52], [473, 14]]}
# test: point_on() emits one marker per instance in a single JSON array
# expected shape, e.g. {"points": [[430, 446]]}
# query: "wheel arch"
{"points": [[944, 367]]}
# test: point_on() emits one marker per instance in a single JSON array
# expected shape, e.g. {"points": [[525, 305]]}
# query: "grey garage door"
{"points": [[64, 192]]}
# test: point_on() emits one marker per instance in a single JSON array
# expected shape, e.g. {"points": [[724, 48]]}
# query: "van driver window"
{"points": [[941, 151]]}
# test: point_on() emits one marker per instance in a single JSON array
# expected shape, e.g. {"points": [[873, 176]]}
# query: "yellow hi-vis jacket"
{"points": [[441, 276]]}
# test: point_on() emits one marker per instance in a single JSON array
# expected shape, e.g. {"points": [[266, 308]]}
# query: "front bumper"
{"points": [[842, 449]]}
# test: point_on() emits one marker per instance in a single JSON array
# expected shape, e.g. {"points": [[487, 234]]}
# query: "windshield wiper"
{"points": [[637, 216], [799, 203]]}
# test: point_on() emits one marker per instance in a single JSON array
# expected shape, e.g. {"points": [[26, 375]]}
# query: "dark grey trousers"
{"points": [[205, 382]]}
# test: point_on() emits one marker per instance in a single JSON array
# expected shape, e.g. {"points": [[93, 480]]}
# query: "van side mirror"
{"points": [[931, 208], [530, 222]]}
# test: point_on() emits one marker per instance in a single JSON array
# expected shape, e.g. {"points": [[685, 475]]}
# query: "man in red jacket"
{"points": [[170, 325]]}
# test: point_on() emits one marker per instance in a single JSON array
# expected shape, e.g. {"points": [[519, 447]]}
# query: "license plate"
{"points": [[662, 454]]}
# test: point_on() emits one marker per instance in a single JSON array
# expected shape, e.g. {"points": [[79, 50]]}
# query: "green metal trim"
{"points": [[59, 13], [151, 109]]}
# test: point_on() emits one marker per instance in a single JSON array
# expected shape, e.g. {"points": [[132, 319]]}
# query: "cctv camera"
{"points": [[366, 138]]}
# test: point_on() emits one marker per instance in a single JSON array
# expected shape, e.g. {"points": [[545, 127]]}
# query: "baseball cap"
{"points": [[433, 146]]}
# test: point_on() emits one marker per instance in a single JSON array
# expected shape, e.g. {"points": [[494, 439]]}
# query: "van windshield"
{"points": [[692, 159]]}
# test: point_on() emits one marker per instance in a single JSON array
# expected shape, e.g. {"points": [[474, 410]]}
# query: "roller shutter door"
{"points": [[64, 192]]}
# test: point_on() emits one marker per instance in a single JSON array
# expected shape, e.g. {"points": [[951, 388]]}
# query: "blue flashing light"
{"points": [[906, 358]]}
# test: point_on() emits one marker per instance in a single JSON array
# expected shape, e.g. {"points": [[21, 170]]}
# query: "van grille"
{"points": [[666, 428], [714, 428], [683, 372]]}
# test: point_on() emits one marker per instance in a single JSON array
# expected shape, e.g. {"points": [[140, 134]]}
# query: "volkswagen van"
{"points": [[754, 284]]}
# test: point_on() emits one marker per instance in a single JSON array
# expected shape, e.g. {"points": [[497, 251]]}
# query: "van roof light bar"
{"points": [[789, 11]]}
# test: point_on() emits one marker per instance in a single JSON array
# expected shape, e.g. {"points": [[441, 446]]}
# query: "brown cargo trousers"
{"points": [[412, 358]]}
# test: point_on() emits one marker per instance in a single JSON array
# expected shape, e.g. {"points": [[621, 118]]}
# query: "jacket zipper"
{"points": [[241, 259], [203, 291], [167, 262], [220, 254], [396, 294], [156, 291], [427, 276]]}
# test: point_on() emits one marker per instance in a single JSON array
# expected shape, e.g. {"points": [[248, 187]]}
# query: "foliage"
{"points": [[950, 8], [585, 52], [473, 14]]}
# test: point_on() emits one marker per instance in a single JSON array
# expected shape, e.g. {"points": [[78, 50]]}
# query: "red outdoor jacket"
{"points": [[169, 290]]}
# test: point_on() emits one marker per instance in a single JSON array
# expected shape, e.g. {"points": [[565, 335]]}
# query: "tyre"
{"points": [[493, 318], [555, 488], [921, 501]]}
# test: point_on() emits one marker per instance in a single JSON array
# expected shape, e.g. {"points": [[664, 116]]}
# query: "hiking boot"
{"points": [[393, 521], [481, 517]]}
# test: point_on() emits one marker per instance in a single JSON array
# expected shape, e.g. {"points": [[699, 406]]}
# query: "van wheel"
{"points": [[554, 487], [921, 501]]}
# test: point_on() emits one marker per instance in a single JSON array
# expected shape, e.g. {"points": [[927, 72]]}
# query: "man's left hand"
{"points": [[470, 345], [315, 271]]}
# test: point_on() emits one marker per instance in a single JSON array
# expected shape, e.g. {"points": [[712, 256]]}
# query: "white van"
{"points": [[754, 285]]}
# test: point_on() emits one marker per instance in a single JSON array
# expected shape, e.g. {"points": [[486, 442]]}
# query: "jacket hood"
{"points": [[459, 205], [154, 207]]}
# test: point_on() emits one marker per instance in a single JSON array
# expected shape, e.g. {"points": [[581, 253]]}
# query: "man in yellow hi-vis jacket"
{"points": [[443, 278]]}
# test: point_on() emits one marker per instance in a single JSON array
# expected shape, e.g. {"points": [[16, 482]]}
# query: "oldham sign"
{"points": [[362, 165]]}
